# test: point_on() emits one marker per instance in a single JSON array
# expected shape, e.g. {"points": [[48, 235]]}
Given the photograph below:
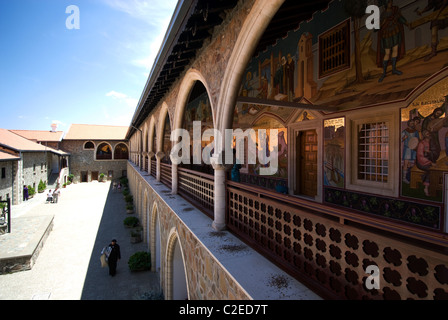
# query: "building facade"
{"points": [[28, 163], [96, 150], [361, 177]]}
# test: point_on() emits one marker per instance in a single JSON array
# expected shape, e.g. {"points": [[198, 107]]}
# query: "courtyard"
{"points": [[86, 218]]}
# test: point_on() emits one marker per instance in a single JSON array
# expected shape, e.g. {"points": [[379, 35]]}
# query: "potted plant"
{"points": [[129, 208], [140, 261], [131, 222], [125, 192], [102, 175], [136, 235], [41, 186], [31, 192], [129, 198]]}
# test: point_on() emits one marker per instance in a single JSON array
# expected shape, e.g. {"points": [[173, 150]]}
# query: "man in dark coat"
{"points": [[113, 256]]}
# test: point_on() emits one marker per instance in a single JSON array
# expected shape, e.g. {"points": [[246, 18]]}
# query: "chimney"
{"points": [[54, 126]]}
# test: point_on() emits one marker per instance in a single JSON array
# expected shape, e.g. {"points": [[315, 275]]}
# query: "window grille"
{"points": [[334, 50], [373, 152]]}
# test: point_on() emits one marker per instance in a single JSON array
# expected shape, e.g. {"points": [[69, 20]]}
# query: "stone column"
{"points": [[174, 178], [159, 157], [219, 222]]}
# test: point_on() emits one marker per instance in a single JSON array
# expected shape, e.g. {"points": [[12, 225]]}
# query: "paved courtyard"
{"points": [[86, 217]]}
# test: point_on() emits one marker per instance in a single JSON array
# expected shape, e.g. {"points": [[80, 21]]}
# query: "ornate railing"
{"points": [[198, 188], [165, 174], [330, 250], [154, 168]]}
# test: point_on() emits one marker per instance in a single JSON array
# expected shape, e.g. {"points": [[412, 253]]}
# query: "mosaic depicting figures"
{"points": [[334, 60], [424, 139]]}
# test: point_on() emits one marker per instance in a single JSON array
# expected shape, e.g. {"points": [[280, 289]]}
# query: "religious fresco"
{"points": [[329, 65], [334, 150], [198, 109], [424, 144]]}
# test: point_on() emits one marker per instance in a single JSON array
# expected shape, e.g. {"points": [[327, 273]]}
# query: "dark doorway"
{"points": [[306, 163]]}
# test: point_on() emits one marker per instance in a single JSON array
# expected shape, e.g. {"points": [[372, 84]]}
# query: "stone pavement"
{"points": [[85, 219]]}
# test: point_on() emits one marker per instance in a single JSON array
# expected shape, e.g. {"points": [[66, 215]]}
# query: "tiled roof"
{"points": [[40, 135], [96, 132], [5, 156], [16, 142]]}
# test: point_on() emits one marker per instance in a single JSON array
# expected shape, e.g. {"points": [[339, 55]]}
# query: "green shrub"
{"points": [[129, 198], [31, 191], [131, 222], [41, 186], [140, 261]]}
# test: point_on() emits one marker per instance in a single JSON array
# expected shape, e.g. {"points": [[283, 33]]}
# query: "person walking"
{"points": [[113, 254], [25, 193]]}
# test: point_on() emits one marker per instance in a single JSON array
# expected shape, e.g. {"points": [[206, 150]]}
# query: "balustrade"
{"points": [[330, 254]]}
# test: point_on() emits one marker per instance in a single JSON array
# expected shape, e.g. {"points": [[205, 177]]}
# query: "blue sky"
{"points": [[91, 75]]}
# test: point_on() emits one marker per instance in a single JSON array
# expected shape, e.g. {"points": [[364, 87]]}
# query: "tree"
{"points": [[357, 9]]}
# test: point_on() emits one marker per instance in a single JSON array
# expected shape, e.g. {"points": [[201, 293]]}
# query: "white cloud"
{"points": [[116, 95], [122, 97], [145, 42]]}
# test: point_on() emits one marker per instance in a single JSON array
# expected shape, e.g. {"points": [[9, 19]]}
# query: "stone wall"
{"points": [[84, 160], [207, 279], [6, 184]]}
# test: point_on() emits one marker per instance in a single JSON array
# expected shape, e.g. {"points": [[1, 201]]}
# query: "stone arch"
{"points": [[152, 132], [164, 112], [145, 215], [138, 198], [101, 153], [253, 28], [176, 278], [188, 82], [155, 239], [119, 153]]}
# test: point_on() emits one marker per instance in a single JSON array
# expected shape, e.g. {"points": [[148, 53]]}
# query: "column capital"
{"points": [[160, 155], [218, 162]]}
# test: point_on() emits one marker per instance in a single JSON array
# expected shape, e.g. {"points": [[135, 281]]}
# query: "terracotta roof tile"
{"points": [[40, 135], [96, 132], [5, 156], [16, 142]]}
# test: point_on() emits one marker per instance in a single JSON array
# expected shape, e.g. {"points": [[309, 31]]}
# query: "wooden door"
{"points": [[306, 165], [95, 175]]}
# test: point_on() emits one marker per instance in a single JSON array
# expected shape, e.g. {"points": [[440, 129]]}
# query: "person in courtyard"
{"points": [[25, 193], [113, 254], [56, 195], [50, 196]]}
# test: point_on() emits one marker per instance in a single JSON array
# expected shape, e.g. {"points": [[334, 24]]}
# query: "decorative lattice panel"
{"points": [[334, 257]]}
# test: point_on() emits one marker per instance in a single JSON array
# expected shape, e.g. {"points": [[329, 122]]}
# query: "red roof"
{"points": [[96, 132], [40, 135]]}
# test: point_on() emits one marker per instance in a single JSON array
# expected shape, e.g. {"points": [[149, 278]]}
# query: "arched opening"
{"points": [[166, 140], [121, 152], [198, 115], [178, 289], [89, 145], [154, 150], [104, 152]]}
